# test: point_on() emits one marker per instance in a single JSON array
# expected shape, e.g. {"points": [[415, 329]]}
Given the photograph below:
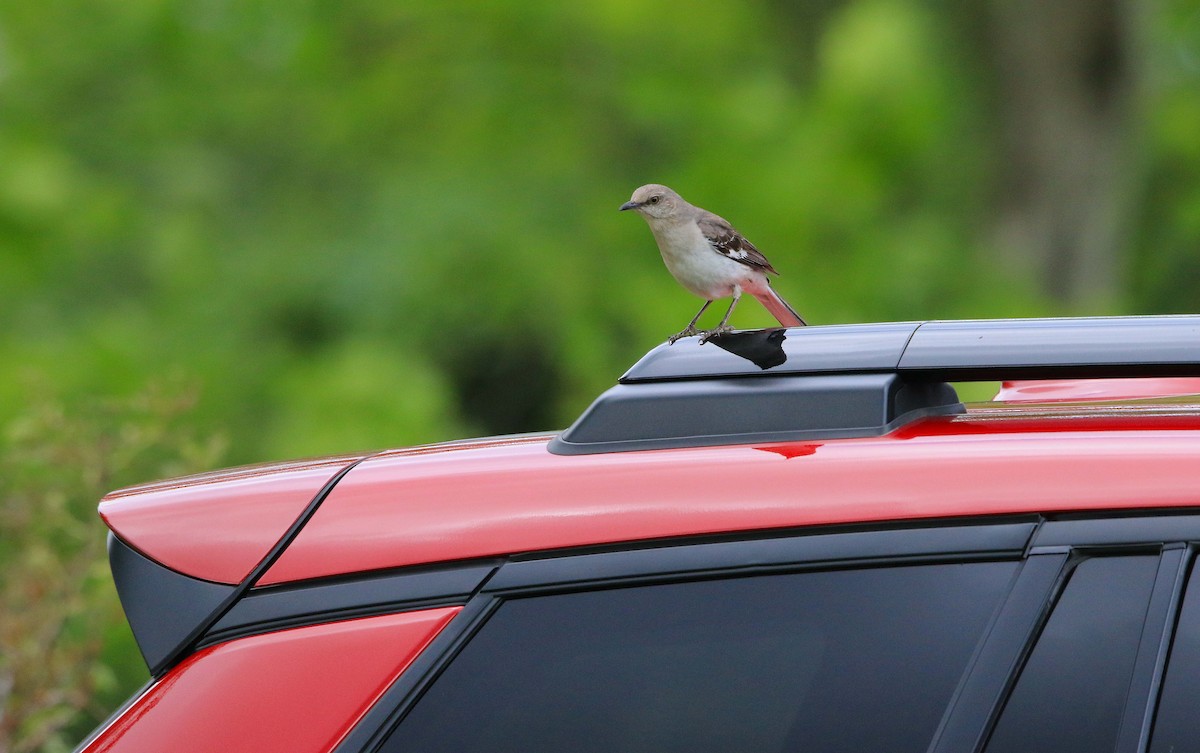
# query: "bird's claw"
{"points": [[687, 332], [716, 332], [705, 335]]}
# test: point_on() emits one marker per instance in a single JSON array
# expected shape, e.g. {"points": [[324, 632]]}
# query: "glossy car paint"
{"points": [[297, 690], [465, 501], [1073, 390], [217, 526]]}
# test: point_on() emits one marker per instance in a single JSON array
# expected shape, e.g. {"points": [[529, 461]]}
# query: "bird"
{"points": [[707, 256]]}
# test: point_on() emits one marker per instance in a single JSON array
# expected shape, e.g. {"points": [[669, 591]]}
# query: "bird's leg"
{"points": [[723, 327], [689, 330]]}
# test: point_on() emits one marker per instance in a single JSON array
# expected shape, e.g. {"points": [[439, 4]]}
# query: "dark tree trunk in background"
{"points": [[1065, 76]]}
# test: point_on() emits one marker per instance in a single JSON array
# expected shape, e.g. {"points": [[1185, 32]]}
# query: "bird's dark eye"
{"points": [[654, 199]]}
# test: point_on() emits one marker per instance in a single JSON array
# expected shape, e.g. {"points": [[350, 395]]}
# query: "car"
{"points": [[779, 540]]}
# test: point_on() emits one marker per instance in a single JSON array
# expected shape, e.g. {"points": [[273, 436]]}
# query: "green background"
{"points": [[239, 231]]}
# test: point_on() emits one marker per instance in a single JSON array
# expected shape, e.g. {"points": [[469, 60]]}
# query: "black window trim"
{"points": [[1003, 650], [989, 540], [1116, 529], [1157, 634], [309, 603]]}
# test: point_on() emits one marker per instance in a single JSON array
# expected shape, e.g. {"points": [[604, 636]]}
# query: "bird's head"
{"points": [[655, 201]]}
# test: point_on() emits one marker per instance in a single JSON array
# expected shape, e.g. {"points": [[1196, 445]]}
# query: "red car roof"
{"points": [[497, 497]]}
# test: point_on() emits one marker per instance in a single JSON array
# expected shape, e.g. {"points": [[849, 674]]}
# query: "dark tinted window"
{"points": [[1177, 728], [1071, 694], [850, 660]]}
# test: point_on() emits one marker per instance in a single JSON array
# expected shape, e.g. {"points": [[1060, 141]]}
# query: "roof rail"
{"points": [[858, 379]]}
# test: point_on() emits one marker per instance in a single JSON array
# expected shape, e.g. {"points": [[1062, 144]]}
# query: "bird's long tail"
{"points": [[780, 309]]}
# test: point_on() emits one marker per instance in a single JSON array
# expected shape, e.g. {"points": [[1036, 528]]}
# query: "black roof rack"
{"points": [[858, 379]]}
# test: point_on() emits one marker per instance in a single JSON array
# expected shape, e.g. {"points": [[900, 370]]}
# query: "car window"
{"points": [[1071, 694], [848, 660], [1176, 729]]}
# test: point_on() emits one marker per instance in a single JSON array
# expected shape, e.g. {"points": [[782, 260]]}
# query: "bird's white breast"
{"points": [[697, 265]]}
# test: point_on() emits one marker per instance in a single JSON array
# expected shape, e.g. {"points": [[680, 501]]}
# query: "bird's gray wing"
{"points": [[727, 241]]}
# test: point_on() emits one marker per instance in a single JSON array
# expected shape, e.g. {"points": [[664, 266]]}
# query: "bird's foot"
{"points": [[687, 332], [716, 332]]}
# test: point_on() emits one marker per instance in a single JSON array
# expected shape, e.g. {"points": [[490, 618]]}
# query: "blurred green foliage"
{"points": [[68, 657], [366, 224]]}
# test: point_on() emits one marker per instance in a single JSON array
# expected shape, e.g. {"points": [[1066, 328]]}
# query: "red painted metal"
{"points": [[462, 501], [217, 526], [298, 690], [1069, 390]]}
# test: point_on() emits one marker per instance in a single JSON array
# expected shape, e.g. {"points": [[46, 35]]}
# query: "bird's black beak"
{"points": [[630, 205]]}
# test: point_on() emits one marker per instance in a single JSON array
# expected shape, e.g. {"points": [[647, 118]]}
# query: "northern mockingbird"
{"points": [[707, 256]]}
